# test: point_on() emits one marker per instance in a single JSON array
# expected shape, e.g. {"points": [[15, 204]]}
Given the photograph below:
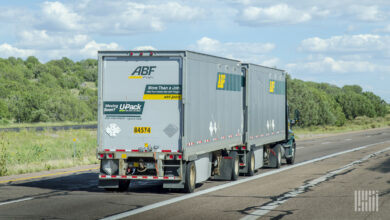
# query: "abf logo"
{"points": [[142, 72], [271, 86], [221, 81]]}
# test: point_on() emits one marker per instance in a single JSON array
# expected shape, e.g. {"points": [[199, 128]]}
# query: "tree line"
{"points": [[326, 104], [64, 90], [59, 90]]}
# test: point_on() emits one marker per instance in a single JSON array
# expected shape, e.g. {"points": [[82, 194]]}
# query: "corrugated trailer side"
{"points": [[168, 115], [213, 104], [265, 104], [182, 117]]}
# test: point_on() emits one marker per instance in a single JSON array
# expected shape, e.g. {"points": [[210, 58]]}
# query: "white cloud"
{"points": [[144, 48], [91, 48], [331, 65], [210, 45], [115, 17], [347, 43], [59, 16], [256, 13], [7, 50], [273, 62], [366, 13], [276, 14], [385, 29], [243, 51], [43, 40]]}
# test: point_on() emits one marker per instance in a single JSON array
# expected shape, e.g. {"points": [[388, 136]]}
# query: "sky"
{"points": [[333, 41]]}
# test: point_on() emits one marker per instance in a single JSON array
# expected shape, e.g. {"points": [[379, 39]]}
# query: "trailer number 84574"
{"points": [[142, 130]]}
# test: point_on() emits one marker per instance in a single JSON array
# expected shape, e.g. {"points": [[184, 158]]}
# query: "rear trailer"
{"points": [[168, 115], [266, 120]]}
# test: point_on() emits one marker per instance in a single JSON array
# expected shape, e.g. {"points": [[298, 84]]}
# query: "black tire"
{"points": [[190, 178], [250, 163], [236, 166], [278, 155], [291, 160], [123, 185]]}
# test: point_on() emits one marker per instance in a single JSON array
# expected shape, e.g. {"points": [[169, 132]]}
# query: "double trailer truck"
{"points": [[183, 117]]}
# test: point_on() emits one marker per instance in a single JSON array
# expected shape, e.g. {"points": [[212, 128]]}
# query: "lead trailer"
{"points": [[183, 117]]}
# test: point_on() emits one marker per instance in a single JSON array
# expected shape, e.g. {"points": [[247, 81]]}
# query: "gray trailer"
{"points": [[182, 117], [267, 137]]}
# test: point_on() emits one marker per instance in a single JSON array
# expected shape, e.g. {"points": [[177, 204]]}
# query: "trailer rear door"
{"points": [[141, 101]]}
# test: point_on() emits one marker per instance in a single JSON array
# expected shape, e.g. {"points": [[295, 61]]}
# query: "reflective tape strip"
{"points": [[166, 151], [140, 177]]}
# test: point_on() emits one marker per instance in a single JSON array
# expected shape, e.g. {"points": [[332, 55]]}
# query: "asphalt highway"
{"points": [[311, 189]]}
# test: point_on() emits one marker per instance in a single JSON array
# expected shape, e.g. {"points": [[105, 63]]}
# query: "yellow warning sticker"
{"points": [[162, 97], [135, 77]]}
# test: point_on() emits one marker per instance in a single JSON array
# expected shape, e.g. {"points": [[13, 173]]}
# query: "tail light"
{"points": [[101, 156], [179, 157], [110, 156]]}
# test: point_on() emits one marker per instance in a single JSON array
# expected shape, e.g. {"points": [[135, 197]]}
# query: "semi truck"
{"points": [[182, 117]]}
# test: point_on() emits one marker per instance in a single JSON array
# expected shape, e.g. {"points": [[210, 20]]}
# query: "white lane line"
{"points": [[300, 148], [263, 210], [15, 201], [215, 188], [348, 139], [326, 142]]}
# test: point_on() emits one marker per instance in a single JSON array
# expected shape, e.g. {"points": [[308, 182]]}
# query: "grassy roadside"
{"points": [[358, 124], [44, 124], [32, 151]]}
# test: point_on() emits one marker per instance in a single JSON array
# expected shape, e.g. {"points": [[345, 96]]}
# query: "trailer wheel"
{"points": [[190, 178], [291, 160], [123, 185], [251, 163], [278, 152], [235, 167]]}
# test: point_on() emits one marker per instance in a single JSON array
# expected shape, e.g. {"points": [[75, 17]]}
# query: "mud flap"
{"points": [[225, 169], [108, 184], [273, 157]]}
